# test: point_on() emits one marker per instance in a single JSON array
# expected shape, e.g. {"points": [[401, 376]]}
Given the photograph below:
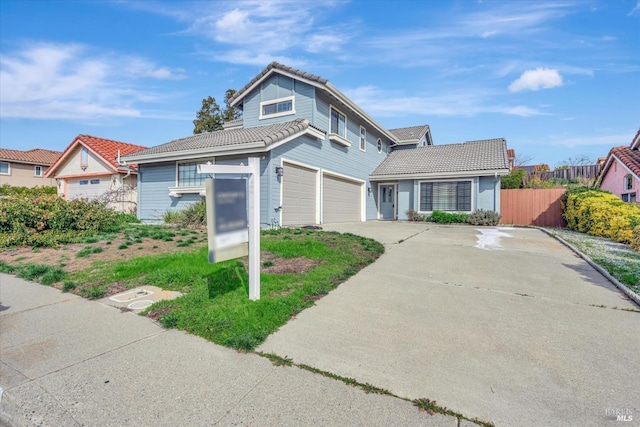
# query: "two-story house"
{"points": [[26, 168], [318, 151]]}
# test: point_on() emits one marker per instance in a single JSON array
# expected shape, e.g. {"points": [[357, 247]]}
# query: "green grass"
{"points": [[216, 305], [88, 250], [45, 274]]}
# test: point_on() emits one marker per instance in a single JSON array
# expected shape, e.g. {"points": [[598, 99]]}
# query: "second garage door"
{"points": [[341, 200], [299, 195], [90, 188]]}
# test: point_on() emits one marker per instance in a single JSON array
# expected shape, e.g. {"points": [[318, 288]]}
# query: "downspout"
{"points": [[129, 170]]}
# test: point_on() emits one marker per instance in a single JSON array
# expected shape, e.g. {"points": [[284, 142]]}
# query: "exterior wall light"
{"points": [[279, 171]]}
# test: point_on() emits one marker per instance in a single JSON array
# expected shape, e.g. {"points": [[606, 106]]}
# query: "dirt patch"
{"points": [[157, 314], [273, 264], [66, 255]]}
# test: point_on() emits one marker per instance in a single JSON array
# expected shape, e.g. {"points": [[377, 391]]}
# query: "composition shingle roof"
{"points": [[410, 134], [231, 138], [484, 155], [36, 156]]}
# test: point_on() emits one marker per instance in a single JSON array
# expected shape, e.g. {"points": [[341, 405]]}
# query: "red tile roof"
{"points": [[36, 156], [630, 158], [106, 149]]}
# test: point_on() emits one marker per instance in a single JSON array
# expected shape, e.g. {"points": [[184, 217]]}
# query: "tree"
{"points": [[513, 179], [522, 159], [230, 113], [580, 160], [209, 118]]}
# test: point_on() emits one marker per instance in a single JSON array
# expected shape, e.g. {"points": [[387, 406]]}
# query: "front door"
{"points": [[387, 201]]}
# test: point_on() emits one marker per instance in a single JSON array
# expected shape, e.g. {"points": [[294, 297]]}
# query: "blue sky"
{"points": [[557, 79]]}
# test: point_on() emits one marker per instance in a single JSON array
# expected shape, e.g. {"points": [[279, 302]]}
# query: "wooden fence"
{"points": [[541, 207], [588, 173]]}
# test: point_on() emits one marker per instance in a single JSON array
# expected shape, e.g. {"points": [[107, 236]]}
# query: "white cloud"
{"points": [[635, 9], [67, 81], [382, 103], [540, 78]]}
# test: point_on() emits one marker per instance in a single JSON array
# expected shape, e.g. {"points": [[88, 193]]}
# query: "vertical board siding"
{"points": [[540, 207]]}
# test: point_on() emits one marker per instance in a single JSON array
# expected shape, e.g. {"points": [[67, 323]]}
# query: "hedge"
{"points": [[600, 213]]}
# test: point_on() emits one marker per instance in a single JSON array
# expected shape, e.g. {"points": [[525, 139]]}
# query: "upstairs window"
{"points": [[84, 157], [628, 182], [5, 168], [338, 123], [277, 107], [363, 138], [37, 170]]}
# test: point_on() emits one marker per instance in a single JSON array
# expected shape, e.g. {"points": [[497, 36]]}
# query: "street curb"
{"points": [[628, 292]]}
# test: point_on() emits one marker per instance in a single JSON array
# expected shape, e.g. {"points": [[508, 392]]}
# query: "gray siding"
{"points": [[154, 181], [405, 198], [488, 196], [278, 86]]}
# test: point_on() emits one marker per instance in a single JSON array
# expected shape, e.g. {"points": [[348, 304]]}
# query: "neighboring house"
{"points": [[89, 168], [453, 177], [511, 155], [531, 169], [26, 168], [317, 151], [621, 171]]}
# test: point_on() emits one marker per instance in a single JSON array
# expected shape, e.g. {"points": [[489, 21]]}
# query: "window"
{"points": [[37, 170], [445, 196], [629, 197], [188, 175], [363, 138], [628, 182], [95, 181], [84, 157], [84, 182], [5, 168], [379, 145], [338, 123], [277, 107]]}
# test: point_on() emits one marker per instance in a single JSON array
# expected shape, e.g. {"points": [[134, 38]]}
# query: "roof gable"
{"points": [[473, 156], [105, 149], [37, 156], [412, 135], [313, 80], [635, 143], [629, 156]]}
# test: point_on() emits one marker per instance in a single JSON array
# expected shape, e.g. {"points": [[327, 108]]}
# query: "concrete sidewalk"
{"points": [[66, 361], [507, 325]]}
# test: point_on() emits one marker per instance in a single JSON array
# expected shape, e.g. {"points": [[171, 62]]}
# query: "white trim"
{"points": [[379, 145], [624, 166], [438, 175], [179, 191], [361, 182], [339, 140], [395, 193], [8, 169], [346, 123], [277, 101], [35, 171], [472, 199], [267, 75], [363, 146], [306, 166]]}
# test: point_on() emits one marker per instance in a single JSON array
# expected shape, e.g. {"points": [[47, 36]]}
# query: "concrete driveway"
{"points": [[507, 325]]}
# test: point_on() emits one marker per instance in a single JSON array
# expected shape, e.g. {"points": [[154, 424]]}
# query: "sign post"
{"points": [[227, 217]]}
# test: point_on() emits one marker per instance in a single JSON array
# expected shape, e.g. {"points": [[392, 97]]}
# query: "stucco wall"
{"points": [[22, 175], [615, 182]]}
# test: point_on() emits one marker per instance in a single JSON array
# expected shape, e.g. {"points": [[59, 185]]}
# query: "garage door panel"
{"points": [[94, 188], [299, 195], [341, 200]]}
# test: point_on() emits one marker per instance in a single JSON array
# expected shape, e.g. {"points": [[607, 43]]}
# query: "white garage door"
{"points": [[299, 195], [341, 200], [89, 188]]}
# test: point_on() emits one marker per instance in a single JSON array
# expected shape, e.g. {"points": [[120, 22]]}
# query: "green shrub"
{"points": [[448, 217], [635, 238], [600, 213], [482, 217], [513, 179], [41, 190]]}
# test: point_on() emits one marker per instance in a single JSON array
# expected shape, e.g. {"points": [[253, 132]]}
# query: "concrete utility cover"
{"points": [[140, 298]]}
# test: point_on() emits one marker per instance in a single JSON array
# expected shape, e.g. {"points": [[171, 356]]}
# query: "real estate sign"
{"points": [[227, 210]]}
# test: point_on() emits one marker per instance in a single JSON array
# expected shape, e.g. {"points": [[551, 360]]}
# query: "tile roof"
{"points": [[630, 158], [483, 155], [410, 134], [106, 149], [232, 138], [511, 153], [36, 156], [233, 124], [282, 67]]}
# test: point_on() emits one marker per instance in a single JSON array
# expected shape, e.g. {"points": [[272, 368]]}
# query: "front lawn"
{"points": [[298, 267]]}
